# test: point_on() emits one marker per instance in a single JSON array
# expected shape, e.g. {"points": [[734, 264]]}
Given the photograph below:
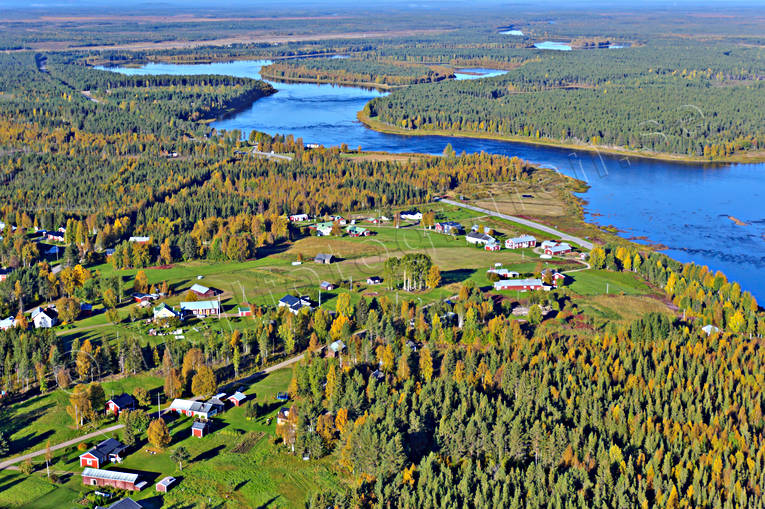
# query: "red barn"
{"points": [[113, 478], [492, 247]]}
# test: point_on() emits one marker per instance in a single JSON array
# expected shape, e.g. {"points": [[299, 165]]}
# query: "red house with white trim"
{"points": [[108, 451], [113, 478], [120, 403]]}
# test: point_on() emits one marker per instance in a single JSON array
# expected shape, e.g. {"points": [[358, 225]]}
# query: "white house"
{"points": [[8, 323], [44, 318], [140, 240], [295, 304], [298, 217], [480, 238], [165, 312], [411, 215], [195, 409], [504, 273]]}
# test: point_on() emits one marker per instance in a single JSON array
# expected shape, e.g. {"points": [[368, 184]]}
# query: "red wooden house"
{"points": [[120, 403], [108, 451], [237, 398]]}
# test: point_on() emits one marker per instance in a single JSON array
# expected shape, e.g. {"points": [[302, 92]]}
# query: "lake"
{"points": [[558, 46], [684, 207]]}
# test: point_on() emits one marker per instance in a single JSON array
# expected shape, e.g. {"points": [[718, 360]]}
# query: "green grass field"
{"points": [[597, 282]]}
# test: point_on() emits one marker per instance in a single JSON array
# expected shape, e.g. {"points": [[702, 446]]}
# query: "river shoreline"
{"points": [[382, 127]]}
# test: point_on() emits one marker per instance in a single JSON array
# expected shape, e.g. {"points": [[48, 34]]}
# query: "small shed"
{"points": [[200, 428], [164, 485], [323, 258], [237, 398]]}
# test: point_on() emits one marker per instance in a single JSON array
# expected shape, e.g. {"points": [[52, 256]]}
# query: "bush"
{"points": [[83, 446], [27, 467]]}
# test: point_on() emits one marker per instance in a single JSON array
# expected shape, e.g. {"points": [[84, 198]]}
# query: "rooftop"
{"points": [[113, 475]]}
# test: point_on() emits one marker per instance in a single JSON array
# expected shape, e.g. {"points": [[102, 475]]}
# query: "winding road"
{"points": [[565, 236]]}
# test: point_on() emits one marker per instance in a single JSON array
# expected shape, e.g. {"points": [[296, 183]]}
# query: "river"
{"points": [[685, 207]]}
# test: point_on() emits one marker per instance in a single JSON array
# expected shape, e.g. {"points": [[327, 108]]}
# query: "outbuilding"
{"points": [[164, 485], [113, 478], [200, 428], [237, 398], [520, 285]]}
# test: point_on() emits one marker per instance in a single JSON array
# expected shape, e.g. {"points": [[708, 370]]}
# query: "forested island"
{"points": [[345, 71]]}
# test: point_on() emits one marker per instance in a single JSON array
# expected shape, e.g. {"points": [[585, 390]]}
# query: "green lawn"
{"points": [[597, 282]]}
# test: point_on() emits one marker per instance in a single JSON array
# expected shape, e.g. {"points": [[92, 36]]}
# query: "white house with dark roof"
{"points": [[295, 304], [480, 238], [44, 318]]}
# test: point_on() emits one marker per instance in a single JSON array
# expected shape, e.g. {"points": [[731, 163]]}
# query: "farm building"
{"points": [[479, 238], [335, 348], [201, 308], [710, 329], [295, 304], [113, 478], [323, 229], [327, 286], [217, 402], [244, 311], [323, 258], [164, 485], [120, 403], [298, 217], [503, 273], [203, 291], [237, 398], [108, 451], [165, 312], [200, 428], [193, 408], [140, 240], [374, 280], [520, 242], [558, 249], [141, 298], [357, 231], [492, 246], [449, 228], [411, 215], [520, 284]]}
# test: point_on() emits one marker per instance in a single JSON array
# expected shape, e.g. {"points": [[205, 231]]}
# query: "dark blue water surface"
{"points": [[682, 206]]}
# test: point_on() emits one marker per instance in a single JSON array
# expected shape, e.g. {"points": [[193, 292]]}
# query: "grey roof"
{"points": [[323, 257], [199, 425], [126, 503], [522, 238], [113, 475], [517, 282], [481, 236]]}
